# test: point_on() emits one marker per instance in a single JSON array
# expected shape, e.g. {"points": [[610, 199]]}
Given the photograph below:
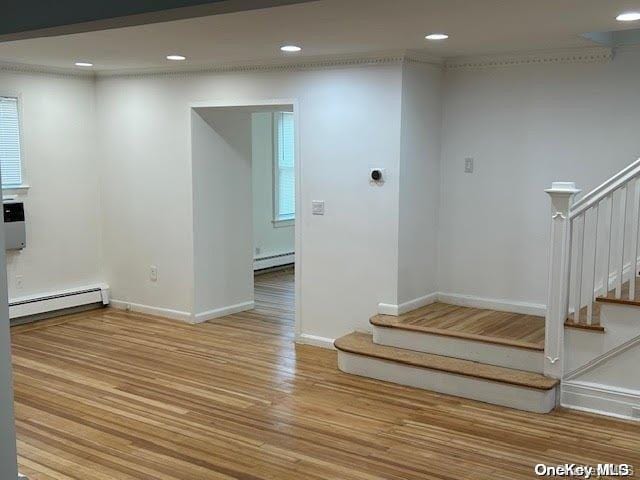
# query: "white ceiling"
{"points": [[333, 27]]}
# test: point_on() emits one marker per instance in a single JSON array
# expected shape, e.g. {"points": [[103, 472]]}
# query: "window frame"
{"points": [[23, 185], [280, 220]]}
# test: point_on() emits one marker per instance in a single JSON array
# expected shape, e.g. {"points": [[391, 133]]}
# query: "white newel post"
{"points": [[561, 194]]}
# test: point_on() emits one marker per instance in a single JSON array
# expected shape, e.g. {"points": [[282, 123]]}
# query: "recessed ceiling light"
{"points": [[290, 48], [84, 64], [437, 36], [628, 17], [176, 57]]}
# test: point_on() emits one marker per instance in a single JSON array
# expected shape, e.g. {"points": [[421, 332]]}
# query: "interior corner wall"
{"points": [[222, 209], [419, 194], [349, 122], [269, 238], [60, 163], [525, 127]]}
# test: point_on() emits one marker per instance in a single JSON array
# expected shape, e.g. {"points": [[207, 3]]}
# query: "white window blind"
{"points": [[10, 158], [285, 181]]}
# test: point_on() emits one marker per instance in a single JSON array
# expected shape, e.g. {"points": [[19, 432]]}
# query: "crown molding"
{"points": [[575, 55], [45, 70], [309, 63], [572, 55]]}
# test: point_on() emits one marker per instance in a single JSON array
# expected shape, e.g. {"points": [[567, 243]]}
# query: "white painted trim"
{"points": [[157, 311], [555, 56], [395, 310], [315, 340], [514, 306], [600, 399], [221, 312], [292, 64], [498, 393]]}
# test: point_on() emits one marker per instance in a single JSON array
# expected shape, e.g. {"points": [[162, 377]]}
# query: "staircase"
{"points": [[490, 356], [522, 361]]}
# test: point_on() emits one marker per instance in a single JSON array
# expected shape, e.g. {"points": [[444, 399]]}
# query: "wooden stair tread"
{"points": [[593, 327], [609, 298], [624, 297], [362, 344], [489, 326]]}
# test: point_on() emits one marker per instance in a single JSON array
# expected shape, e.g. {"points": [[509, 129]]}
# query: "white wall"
{"points": [[222, 219], [419, 181], [269, 238], [60, 164], [526, 126], [349, 257]]}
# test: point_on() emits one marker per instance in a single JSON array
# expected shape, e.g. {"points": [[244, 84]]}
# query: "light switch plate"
{"points": [[317, 207], [468, 165]]}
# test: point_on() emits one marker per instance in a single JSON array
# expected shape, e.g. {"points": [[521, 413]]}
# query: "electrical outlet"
{"points": [[468, 165], [153, 273], [258, 250], [19, 282], [317, 207]]}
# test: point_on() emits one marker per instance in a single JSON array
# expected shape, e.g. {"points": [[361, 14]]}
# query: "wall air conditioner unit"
{"points": [[40, 304]]}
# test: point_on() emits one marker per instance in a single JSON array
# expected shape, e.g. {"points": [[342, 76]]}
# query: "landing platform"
{"points": [[491, 326]]}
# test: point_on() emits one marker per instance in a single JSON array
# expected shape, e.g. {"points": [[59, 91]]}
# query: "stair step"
{"points": [[389, 321], [502, 339], [357, 354]]}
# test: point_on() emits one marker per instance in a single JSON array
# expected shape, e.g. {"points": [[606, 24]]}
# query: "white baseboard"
{"points": [[221, 312], [395, 310], [315, 340], [601, 399], [464, 301], [42, 303], [524, 308], [160, 312]]}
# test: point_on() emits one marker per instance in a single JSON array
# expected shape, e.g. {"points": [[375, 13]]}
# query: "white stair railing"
{"points": [[594, 250]]}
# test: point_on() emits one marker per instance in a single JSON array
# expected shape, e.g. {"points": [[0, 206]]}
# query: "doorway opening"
{"points": [[245, 170]]}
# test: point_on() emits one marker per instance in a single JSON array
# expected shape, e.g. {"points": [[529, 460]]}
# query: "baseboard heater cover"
{"points": [[273, 260], [35, 305]]}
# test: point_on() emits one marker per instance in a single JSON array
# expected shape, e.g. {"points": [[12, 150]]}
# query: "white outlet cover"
{"points": [[468, 165], [317, 207], [153, 273]]}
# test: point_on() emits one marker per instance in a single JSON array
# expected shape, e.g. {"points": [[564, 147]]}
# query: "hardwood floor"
{"points": [[113, 395]]}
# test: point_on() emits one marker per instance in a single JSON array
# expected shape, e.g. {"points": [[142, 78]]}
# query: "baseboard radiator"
{"points": [[36, 305], [273, 260]]}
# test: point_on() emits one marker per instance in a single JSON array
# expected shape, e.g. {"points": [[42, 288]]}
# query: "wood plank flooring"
{"points": [[114, 395], [526, 331]]}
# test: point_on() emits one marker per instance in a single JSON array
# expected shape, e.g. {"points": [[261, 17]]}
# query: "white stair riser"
{"points": [[489, 353], [521, 398]]}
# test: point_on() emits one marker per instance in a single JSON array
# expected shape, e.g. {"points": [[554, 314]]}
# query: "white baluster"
{"points": [[592, 299], [622, 220], [561, 194], [635, 224], [607, 250], [579, 229]]}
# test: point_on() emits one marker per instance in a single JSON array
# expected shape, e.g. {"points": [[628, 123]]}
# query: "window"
{"points": [[10, 155], [284, 168]]}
